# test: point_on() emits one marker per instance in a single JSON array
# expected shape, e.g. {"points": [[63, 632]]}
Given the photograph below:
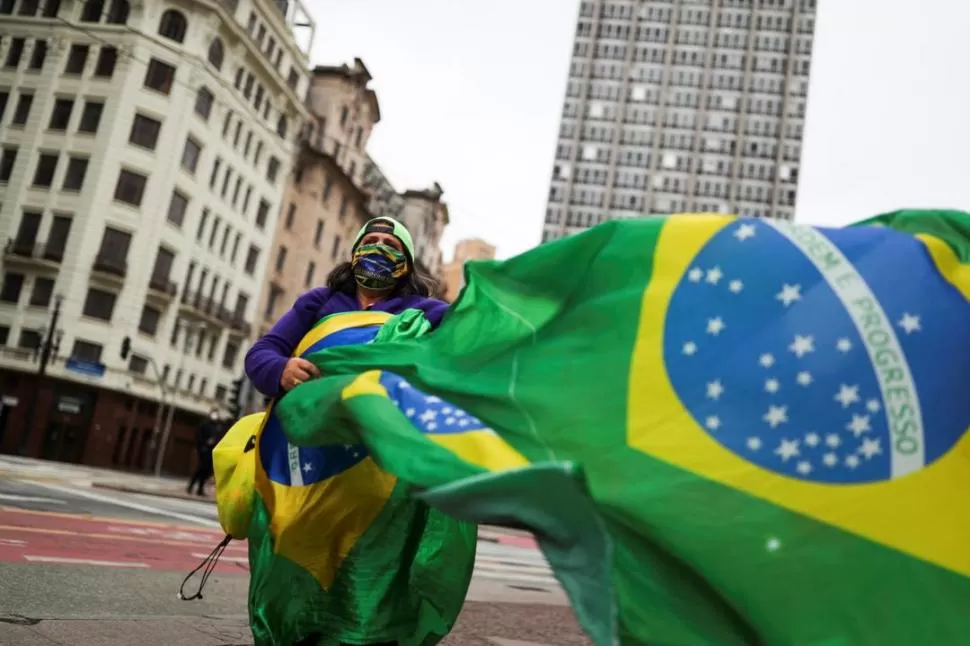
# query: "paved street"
{"points": [[88, 565]]}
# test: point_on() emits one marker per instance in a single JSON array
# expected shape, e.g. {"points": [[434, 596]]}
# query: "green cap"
{"points": [[398, 230]]}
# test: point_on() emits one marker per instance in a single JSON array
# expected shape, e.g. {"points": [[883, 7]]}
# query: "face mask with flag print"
{"points": [[379, 267]]}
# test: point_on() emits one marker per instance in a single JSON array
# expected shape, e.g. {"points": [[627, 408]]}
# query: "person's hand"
{"points": [[296, 372]]}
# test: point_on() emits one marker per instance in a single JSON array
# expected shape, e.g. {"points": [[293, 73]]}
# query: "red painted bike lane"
{"points": [[46, 537]]}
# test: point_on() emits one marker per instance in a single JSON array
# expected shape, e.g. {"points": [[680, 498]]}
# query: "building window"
{"points": [[29, 8], [87, 351], [107, 59], [15, 52], [282, 126], [159, 76], [4, 98], [274, 296], [99, 304], [29, 339], [229, 355], [216, 53], [281, 258], [262, 213], [290, 216], [137, 365], [46, 167], [61, 114], [311, 269], [252, 258], [77, 57], [190, 155], [327, 188], [43, 290], [38, 56], [342, 211], [173, 26], [144, 131], [130, 187], [203, 103], [203, 219], [177, 207], [335, 250], [150, 318], [235, 247], [4, 335], [57, 237], [7, 160], [91, 116], [12, 286], [22, 111], [318, 234], [77, 169], [118, 13], [113, 253], [272, 169]]}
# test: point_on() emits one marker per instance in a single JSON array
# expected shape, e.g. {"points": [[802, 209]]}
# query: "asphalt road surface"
{"points": [[89, 567]]}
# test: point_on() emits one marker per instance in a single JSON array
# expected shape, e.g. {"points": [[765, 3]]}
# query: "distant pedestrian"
{"points": [[206, 437]]}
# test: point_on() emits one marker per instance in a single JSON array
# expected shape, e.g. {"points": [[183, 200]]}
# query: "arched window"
{"points": [[281, 126], [118, 13], [92, 11], [173, 26], [216, 53]]}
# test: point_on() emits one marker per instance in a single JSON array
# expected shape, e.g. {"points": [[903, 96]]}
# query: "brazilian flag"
{"points": [[722, 430]]}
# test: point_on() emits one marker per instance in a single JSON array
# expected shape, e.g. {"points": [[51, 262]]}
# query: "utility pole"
{"points": [[167, 430], [45, 357]]}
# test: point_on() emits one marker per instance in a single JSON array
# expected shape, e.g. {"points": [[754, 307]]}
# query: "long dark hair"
{"points": [[417, 283]]}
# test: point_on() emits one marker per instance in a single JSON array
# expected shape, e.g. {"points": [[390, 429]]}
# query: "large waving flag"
{"points": [[339, 551], [722, 430]]}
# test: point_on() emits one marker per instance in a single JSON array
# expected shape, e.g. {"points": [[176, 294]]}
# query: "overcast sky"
{"points": [[471, 93]]}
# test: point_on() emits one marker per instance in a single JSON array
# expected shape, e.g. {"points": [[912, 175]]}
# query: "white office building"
{"points": [[143, 152]]}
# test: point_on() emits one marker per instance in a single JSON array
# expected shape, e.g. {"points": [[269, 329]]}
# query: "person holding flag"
{"points": [[340, 553]]}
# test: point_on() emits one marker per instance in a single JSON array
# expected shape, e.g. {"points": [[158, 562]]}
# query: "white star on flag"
{"points": [[843, 345], [428, 416], [847, 395], [432, 400], [447, 410], [772, 385], [307, 467], [776, 415], [833, 440], [812, 439], [787, 449], [804, 378], [910, 323], [859, 425], [463, 422], [736, 286], [754, 443], [870, 447], [432, 426], [852, 461], [714, 275], [715, 389], [804, 467], [873, 406], [789, 294], [766, 360], [830, 459], [695, 275], [802, 345], [713, 422], [715, 325], [744, 232], [690, 348], [410, 412]]}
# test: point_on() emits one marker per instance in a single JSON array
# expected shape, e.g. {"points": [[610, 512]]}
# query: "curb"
{"points": [[163, 493]]}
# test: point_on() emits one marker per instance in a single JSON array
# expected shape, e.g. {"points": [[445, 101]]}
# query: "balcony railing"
{"points": [[111, 265], [30, 250], [162, 285]]}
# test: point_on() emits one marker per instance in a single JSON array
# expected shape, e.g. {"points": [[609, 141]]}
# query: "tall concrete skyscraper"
{"points": [[681, 106]]}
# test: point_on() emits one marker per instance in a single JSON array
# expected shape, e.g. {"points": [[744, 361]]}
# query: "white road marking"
{"points": [[230, 559], [12, 497], [70, 561], [12, 541], [149, 509]]}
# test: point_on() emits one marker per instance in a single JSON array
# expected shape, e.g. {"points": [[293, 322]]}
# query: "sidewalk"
{"points": [[86, 477]]}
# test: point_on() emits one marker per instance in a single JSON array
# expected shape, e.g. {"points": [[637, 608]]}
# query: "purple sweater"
{"points": [[268, 356]]}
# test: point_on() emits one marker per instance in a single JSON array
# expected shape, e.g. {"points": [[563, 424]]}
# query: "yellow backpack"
{"points": [[234, 463]]}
